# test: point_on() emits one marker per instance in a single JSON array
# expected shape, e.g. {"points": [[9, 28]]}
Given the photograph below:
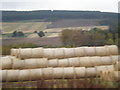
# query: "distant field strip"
{"points": [[22, 26]]}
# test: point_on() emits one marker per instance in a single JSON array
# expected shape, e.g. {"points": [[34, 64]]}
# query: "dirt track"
{"points": [[55, 41]]}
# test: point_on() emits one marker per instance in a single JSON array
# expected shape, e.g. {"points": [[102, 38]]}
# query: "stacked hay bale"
{"points": [[58, 63]]}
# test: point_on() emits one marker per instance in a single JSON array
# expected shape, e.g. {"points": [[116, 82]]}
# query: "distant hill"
{"points": [[48, 15]]}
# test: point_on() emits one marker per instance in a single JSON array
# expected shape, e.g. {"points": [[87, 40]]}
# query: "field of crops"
{"points": [[9, 27]]}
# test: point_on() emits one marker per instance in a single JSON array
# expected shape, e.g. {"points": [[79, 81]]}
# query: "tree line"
{"points": [[48, 15]]}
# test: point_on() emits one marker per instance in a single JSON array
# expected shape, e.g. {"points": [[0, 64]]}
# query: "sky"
{"points": [[90, 5]]}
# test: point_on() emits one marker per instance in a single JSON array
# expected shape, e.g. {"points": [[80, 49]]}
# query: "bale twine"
{"points": [[41, 63], [37, 52], [53, 63], [63, 63], [4, 75], [106, 60], [117, 66], [113, 49], [99, 69], [18, 64], [80, 72], [58, 53], [114, 58], [25, 53], [90, 51], [74, 62], [101, 51], [90, 72], [12, 75], [69, 52], [96, 61], [35, 74], [6, 63], [58, 73], [79, 51], [85, 62], [30, 63], [48, 53], [24, 75], [47, 73], [68, 73]]}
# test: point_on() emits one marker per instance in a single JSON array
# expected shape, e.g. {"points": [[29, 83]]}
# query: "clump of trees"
{"points": [[40, 33], [94, 37], [18, 34]]}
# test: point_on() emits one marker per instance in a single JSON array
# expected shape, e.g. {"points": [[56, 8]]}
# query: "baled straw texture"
{"points": [[101, 51], [85, 62], [48, 53], [13, 75], [14, 52], [53, 63], [90, 51], [117, 66], [24, 75], [115, 58], [18, 64], [58, 73], [63, 63], [58, 53], [90, 72], [35, 74], [106, 60], [69, 52], [74, 62], [6, 62], [37, 52], [79, 52], [69, 72], [95, 61], [113, 49], [80, 72], [4, 75], [47, 73]]}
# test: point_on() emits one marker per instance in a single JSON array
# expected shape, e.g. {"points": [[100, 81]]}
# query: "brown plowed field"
{"points": [[54, 41]]}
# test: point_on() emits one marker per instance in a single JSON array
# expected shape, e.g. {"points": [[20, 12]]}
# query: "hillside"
{"points": [[48, 15]]}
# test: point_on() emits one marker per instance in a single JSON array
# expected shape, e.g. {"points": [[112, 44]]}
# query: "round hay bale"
{"points": [[4, 75], [96, 61], [37, 52], [80, 72], [53, 63], [14, 52], [99, 69], [58, 53], [12, 75], [117, 66], [24, 75], [113, 49], [101, 51], [25, 53], [69, 52], [58, 73], [30, 63], [110, 67], [18, 64], [85, 62], [42, 63], [106, 60], [90, 51], [63, 63], [48, 53], [35, 74], [69, 73], [47, 73], [79, 51], [74, 62], [6, 63], [114, 58], [90, 72]]}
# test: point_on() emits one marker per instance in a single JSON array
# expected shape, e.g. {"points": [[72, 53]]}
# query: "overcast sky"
{"points": [[94, 5]]}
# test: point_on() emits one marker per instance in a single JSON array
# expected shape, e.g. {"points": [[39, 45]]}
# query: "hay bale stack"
{"points": [[90, 72], [85, 62], [69, 73], [74, 62], [58, 73]]}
